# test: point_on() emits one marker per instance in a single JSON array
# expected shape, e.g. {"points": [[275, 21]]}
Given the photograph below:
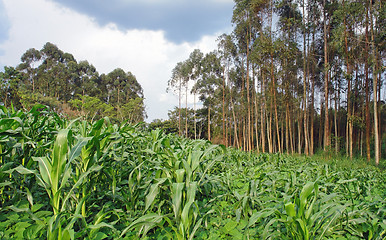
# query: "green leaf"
{"points": [[180, 175], [196, 226], [303, 228], [82, 177], [100, 236], [306, 191], [66, 235], [290, 209], [259, 215], [59, 156], [229, 226], [190, 199], [76, 150], [153, 192], [65, 177], [29, 197], [149, 221], [44, 169], [177, 189], [22, 170]]}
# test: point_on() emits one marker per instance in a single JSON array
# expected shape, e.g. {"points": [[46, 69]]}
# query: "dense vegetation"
{"points": [[52, 77], [63, 179], [294, 76]]}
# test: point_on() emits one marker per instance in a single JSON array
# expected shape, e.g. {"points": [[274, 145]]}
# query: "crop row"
{"points": [[74, 179]]}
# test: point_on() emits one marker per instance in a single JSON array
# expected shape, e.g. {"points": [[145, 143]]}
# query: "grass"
{"points": [[99, 180]]}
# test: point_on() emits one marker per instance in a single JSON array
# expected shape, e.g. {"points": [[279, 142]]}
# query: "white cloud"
{"points": [[147, 54]]}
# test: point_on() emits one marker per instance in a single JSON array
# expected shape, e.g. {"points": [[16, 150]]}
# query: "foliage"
{"points": [[99, 180], [54, 78], [259, 87]]}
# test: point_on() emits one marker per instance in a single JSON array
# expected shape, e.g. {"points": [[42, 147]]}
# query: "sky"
{"points": [[145, 37]]}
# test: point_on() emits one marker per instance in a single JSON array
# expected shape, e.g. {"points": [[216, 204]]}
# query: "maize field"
{"points": [[62, 179]]}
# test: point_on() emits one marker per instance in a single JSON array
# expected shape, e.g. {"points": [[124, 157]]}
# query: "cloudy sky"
{"points": [[145, 37]]}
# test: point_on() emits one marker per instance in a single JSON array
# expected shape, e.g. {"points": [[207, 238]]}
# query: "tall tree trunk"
{"points": [[291, 130], [249, 132], [349, 140], [244, 134], [287, 128], [194, 116], [367, 110], [312, 101], [263, 110], [235, 122], [306, 147], [327, 140], [269, 132], [223, 111], [275, 104], [256, 115], [375, 83], [273, 77], [186, 110], [282, 136], [209, 123], [321, 124], [380, 128], [300, 133], [336, 123], [179, 108], [257, 125]]}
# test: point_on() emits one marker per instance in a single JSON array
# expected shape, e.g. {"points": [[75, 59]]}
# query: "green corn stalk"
{"points": [[54, 174], [308, 217]]}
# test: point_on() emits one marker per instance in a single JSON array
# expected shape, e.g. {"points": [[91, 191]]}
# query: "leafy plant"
{"points": [[76, 179]]}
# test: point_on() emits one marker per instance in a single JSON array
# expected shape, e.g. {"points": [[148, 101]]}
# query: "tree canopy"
{"points": [[294, 76], [54, 78]]}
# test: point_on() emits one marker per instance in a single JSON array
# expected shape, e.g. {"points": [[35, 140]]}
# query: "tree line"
{"points": [[52, 77], [294, 76]]}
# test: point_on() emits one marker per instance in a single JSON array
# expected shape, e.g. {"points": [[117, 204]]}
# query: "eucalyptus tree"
{"points": [[175, 84], [54, 72], [289, 24], [117, 80], [195, 68], [305, 31], [181, 75], [315, 20], [186, 75], [328, 9], [269, 75], [273, 51], [261, 57], [227, 51], [134, 110], [247, 16], [326, 121], [133, 100], [28, 65], [375, 29], [86, 79], [346, 34], [123, 89], [10, 81], [367, 80], [209, 83]]}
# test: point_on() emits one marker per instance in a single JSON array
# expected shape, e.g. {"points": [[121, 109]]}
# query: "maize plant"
{"points": [[62, 179]]}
